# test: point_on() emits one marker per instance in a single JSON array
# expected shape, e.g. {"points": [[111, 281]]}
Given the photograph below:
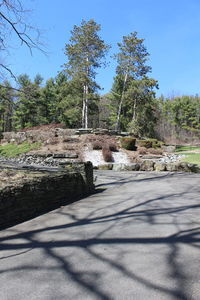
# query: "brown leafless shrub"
{"points": [[107, 154], [113, 147], [97, 145]]}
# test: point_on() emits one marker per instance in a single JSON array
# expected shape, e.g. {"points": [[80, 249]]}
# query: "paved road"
{"points": [[137, 238]]}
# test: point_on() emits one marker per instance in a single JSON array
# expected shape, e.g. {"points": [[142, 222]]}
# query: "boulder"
{"points": [[132, 167], [147, 165], [159, 166], [118, 167], [169, 149], [172, 167], [194, 168], [105, 167]]}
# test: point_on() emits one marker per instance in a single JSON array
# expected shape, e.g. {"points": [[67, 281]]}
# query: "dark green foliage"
{"points": [[179, 118], [145, 143], [150, 143], [6, 106], [128, 143], [85, 52], [133, 93]]}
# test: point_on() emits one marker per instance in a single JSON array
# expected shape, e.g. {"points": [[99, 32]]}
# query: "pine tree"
{"points": [[6, 106], [132, 85], [85, 52]]}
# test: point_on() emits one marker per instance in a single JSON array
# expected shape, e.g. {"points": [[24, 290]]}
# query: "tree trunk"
{"points": [[121, 101], [134, 110], [83, 108], [86, 106]]}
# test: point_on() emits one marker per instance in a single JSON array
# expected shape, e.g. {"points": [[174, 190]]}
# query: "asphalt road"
{"points": [[137, 238]]}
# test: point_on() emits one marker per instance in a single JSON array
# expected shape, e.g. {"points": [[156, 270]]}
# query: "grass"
{"points": [[193, 158], [186, 148], [13, 150]]}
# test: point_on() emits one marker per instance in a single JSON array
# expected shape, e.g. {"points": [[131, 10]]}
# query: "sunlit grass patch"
{"points": [[193, 158], [180, 148], [13, 150]]}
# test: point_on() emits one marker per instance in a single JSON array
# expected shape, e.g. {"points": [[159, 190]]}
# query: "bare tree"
{"points": [[13, 22]]}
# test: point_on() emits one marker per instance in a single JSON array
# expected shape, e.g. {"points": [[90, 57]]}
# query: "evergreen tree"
{"points": [[6, 106], [85, 52], [28, 102], [132, 87]]}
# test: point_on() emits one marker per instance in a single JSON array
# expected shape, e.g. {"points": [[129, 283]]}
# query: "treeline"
{"points": [[72, 97], [178, 119], [59, 100]]}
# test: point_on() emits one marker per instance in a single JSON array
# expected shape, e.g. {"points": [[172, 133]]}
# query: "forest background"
{"points": [[74, 97]]}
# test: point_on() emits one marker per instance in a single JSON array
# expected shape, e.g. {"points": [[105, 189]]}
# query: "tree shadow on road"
{"points": [[156, 212]]}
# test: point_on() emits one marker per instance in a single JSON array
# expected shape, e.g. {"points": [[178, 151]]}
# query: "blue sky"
{"points": [[171, 29]]}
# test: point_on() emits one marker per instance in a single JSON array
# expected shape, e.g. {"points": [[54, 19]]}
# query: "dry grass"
{"points": [[13, 177], [155, 151], [142, 150]]}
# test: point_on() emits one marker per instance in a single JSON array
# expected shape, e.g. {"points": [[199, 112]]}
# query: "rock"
{"points": [[84, 131], [123, 133], [100, 131], [194, 168], [132, 167], [171, 167], [147, 165], [169, 149], [183, 167], [105, 167], [152, 156], [118, 167], [59, 155], [159, 166]]}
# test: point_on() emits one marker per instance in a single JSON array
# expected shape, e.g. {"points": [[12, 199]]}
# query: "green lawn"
{"points": [[193, 158], [186, 148], [13, 150]]}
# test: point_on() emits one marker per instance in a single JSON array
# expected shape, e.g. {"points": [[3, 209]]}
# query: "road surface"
{"points": [[138, 237]]}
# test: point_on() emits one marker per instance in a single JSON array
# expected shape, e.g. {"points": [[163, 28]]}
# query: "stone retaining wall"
{"points": [[149, 165], [59, 133], [25, 200]]}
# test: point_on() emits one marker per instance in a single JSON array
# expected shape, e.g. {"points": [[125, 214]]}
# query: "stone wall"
{"points": [[26, 200], [150, 165], [59, 133]]}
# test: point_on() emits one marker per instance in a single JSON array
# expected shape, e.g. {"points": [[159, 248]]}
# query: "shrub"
{"points": [[145, 143], [150, 143], [128, 143], [113, 147], [97, 145], [107, 154]]}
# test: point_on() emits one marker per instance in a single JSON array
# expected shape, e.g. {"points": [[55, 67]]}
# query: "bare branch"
{"points": [[9, 71], [12, 21]]}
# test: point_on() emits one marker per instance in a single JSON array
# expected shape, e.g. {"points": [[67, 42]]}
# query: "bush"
{"points": [[145, 143], [150, 143], [113, 147], [97, 145], [128, 143], [107, 154]]}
